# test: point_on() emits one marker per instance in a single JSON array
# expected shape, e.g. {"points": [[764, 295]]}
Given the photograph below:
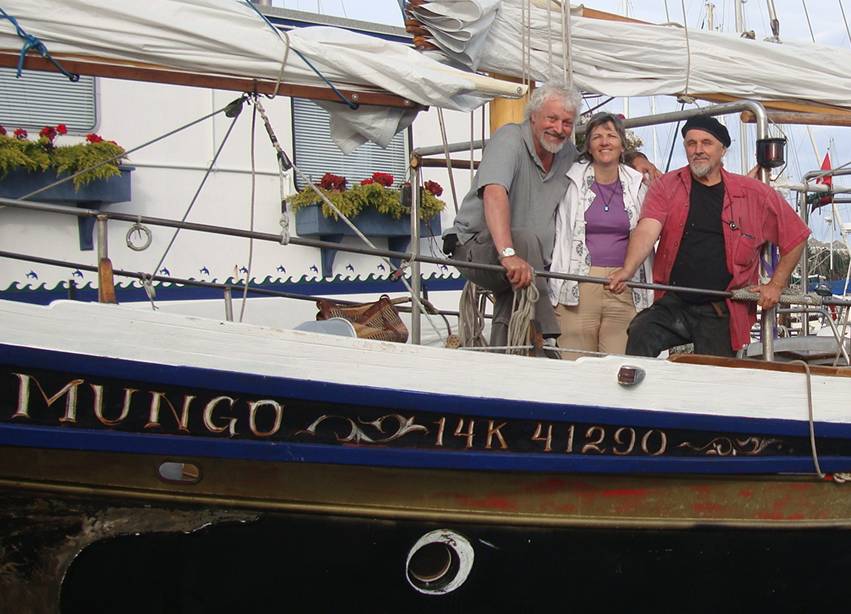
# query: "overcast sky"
{"points": [[806, 147]]}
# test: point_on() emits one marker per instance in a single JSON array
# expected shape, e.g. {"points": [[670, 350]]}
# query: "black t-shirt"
{"points": [[701, 261]]}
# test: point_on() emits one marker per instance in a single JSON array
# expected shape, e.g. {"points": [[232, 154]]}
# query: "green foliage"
{"points": [[387, 201], [15, 153], [42, 155], [69, 159]]}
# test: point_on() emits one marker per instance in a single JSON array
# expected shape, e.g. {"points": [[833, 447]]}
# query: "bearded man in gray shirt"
{"points": [[508, 217]]}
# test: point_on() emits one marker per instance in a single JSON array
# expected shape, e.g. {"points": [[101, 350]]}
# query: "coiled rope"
{"points": [[471, 317], [522, 311]]}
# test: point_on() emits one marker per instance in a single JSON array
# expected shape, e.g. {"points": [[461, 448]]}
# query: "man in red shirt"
{"points": [[711, 225]]}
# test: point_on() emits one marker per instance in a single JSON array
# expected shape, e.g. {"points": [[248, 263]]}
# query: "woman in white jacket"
{"points": [[593, 224]]}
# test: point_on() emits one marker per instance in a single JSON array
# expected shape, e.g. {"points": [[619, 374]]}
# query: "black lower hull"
{"points": [[312, 563]]}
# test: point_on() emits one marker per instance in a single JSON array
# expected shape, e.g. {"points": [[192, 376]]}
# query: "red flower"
{"points": [[20, 133], [48, 132], [93, 138], [433, 187], [2, 131], [61, 129], [385, 179], [333, 182], [367, 181]]}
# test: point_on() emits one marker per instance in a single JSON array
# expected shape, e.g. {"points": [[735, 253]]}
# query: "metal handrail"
{"points": [[407, 256]]}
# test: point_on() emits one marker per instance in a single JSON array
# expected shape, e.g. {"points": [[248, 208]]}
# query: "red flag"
{"points": [[827, 180]]}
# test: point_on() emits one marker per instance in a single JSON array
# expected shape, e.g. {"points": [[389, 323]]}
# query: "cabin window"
{"points": [[316, 154], [41, 99]]}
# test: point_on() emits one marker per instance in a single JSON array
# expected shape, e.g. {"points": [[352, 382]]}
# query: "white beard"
{"points": [[700, 169], [552, 147]]}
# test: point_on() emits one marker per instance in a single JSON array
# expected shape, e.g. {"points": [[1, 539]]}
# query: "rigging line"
{"points": [[448, 158], [251, 216], [229, 106], [667, 14], [807, 15], [352, 105], [33, 42], [549, 40], [309, 183], [673, 141], [197, 192], [567, 45], [841, 8], [602, 104]]}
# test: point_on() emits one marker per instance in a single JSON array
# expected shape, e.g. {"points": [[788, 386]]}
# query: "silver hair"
{"points": [[570, 98]]}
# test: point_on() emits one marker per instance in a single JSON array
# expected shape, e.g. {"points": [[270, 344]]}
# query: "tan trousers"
{"points": [[599, 322]]}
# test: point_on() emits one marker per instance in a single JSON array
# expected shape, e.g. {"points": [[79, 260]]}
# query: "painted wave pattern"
{"points": [[42, 293]]}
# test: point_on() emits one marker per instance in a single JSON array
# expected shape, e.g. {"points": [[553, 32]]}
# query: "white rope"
{"points": [[471, 318], [251, 215], [522, 311], [148, 286], [283, 65], [282, 174], [688, 48], [811, 419]]}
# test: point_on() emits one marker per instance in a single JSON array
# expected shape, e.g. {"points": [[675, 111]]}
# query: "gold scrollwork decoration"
{"points": [[729, 446], [356, 434]]}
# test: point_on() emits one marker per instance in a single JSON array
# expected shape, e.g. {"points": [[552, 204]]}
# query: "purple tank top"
{"points": [[607, 226]]}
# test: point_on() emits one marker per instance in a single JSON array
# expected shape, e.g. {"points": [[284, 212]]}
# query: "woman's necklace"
{"points": [[612, 193]]}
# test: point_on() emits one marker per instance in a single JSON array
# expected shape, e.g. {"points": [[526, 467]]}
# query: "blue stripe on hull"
{"points": [[256, 384], [175, 446]]}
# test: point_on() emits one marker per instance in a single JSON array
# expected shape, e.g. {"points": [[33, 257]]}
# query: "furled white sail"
{"points": [[229, 37], [633, 59]]}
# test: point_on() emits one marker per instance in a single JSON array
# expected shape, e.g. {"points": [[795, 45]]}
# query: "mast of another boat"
{"points": [[743, 130]]}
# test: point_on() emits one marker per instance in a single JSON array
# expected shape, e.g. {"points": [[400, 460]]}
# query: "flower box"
{"points": [[311, 223], [20, 182]]}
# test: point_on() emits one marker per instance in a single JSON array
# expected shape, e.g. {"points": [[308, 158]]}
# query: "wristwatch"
{"points": [[506, 252]]}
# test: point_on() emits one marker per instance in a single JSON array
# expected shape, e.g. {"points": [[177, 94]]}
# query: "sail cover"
{"points": [[633, 59], [229, 37]]}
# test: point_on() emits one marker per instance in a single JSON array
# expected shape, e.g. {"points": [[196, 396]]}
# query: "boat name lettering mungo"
{"points": [[53, 399]]}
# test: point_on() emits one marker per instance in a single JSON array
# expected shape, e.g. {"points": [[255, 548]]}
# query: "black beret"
{"points": [[710, 125]]}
